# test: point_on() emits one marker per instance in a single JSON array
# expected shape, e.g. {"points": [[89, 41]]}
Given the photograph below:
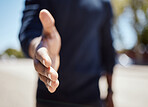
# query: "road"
{"points": [[18, 82]]}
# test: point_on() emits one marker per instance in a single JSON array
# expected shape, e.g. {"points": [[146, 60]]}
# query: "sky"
{"points": [[10, 22]]}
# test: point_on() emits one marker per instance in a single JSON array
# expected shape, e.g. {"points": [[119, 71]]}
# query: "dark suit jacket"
{"points": [[85, 30]]}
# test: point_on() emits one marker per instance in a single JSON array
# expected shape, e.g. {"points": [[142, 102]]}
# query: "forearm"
{"points": [[31, 26]]}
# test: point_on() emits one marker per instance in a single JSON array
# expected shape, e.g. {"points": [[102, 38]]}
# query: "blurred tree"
{"points": [[139, 9], [118, 6], [13, 52]]}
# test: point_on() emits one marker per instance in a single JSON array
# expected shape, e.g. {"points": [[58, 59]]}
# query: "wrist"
{"points": [[33, 45]]}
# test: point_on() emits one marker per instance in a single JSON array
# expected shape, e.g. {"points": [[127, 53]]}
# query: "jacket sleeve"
{"points": [[107, 50], [31, 26]]}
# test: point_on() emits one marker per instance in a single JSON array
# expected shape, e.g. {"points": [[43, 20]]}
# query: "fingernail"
{"points": [[49, 82]]}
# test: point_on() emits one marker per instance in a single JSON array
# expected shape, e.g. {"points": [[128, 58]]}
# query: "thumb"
{"points": [[47, 21]]}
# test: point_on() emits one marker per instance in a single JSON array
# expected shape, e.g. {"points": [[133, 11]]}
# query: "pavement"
{"points": [[130, 85], [18, 83]]}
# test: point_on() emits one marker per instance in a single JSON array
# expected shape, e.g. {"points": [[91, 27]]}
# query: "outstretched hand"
{"points": [[45, 51]]}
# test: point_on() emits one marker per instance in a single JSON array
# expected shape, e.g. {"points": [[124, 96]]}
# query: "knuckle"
{"points": [[57, 84], [55, 76]]}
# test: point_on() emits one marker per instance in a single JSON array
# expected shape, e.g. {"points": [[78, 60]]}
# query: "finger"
{"points": [[52, 74], [40, 68], [51, 85], [48, 72], [43, 78], [47, 21], [43, 57], [50, 89], [47, 81]]}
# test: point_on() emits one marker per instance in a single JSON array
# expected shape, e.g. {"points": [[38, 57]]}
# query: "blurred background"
{"points": [[10, 22], [130, 29], [130, 34]]}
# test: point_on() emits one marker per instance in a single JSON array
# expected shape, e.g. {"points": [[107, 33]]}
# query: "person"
{"points": [[70, 42]]}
